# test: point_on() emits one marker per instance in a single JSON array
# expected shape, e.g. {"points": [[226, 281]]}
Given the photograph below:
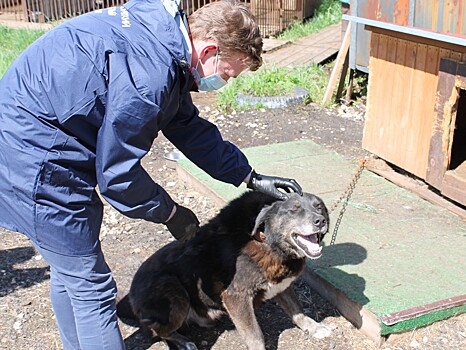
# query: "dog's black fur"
{"points": [[248, 253]]}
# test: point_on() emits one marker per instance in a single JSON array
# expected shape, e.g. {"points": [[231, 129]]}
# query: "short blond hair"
{"points": [[231, 25]]}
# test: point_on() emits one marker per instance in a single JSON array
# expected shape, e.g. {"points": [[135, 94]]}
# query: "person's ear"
{"points": [[208, 51]]}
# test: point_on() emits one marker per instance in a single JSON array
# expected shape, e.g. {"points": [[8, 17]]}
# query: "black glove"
{"points": [[271, 184], [184, 224]]}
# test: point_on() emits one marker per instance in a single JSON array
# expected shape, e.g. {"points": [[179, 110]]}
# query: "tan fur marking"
{"points": [[272, 266]]}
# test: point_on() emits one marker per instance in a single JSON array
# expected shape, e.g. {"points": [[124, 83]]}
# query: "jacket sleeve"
{"points": [[126, 135], [202, 143]]}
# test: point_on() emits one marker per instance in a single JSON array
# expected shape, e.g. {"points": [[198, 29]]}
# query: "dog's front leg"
{"points": [[241, 310], [289, 302]]}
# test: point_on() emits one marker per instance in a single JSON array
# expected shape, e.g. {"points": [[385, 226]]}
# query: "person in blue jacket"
{"points": [[81, 107]]}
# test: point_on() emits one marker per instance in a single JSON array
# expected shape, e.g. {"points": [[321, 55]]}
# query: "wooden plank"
{"points": [[379, 134], [312, 49], [321, 56], [417, 122], [418, 39], [454, 184], [336, 71], [201, 187], [341, 83], [394, 110], [381, 168], [372, 131], [438, 156], [363, 319], [401, 101]]}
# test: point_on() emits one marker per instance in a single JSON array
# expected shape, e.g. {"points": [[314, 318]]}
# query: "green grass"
{"points": [[13, 42], [329, 12], [269, 81], [274, 82]]}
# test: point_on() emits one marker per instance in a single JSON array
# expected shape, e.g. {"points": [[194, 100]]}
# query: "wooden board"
{"points": [[441, 173], [401, 99], [338, 68], [440, 142], [314, 48]]}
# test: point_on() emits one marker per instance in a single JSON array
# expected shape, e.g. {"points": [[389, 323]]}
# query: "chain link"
{"points": [[344, 198]]}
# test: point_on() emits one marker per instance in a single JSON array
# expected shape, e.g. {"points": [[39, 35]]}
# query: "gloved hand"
{"points": [[183, 225], [271, 184]]}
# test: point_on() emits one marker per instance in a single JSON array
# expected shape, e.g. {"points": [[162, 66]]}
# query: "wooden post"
{"points": [[341, 84], [339, 62]]}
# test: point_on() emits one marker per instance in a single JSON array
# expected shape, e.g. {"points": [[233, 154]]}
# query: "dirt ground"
{"points": [[27, 320]]}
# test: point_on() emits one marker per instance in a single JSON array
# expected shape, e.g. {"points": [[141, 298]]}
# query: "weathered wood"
{"points": [[341, 83], [314, 48], [418, 39], [381, 168], [366, 321], [337, 69], [454, 184], [401, 98], [440, 138], [349, 91], [184, 175]]}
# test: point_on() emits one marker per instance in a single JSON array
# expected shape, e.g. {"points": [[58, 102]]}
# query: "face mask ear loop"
{"points": [[216, 62]]}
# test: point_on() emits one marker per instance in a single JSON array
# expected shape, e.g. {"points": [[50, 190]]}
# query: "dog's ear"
{"points": [[260, 220]]}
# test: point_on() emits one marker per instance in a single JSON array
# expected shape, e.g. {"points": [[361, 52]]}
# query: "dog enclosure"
{"points": [[415, 116], [273, 15]]}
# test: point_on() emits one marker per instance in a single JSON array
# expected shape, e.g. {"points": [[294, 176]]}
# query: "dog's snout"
{"points": [[319, 221]]}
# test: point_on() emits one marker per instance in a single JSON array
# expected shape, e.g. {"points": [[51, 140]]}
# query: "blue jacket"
{"points": [[81, 107]]}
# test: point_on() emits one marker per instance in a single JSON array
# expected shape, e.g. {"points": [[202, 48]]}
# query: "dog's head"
{"points": [[296, 226]]}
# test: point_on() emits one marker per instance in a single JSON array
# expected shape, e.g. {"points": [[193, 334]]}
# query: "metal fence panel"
{"points": [[273, 15]]}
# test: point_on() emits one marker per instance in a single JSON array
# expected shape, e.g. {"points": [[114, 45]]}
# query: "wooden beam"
{"points": [[381, 168], [341, 84], [337, 69], [363, 319]]}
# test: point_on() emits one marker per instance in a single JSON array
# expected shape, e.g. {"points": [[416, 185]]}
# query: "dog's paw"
{"points": [[317, 330], [322, 331], [189, 346]]}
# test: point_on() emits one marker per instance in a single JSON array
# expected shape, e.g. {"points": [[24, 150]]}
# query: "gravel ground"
{"points": [[27, 320]]}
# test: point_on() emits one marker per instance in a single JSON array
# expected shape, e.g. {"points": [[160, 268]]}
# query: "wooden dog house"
{"points": [[416, 104]]}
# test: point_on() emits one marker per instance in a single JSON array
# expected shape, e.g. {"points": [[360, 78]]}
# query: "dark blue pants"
{"points": [[83, 294]]}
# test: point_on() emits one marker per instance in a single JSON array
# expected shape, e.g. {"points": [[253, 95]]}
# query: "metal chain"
{"points": [[344, 198]]}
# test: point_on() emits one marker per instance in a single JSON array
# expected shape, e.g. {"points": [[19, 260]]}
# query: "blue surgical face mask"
{"points": [[211, 82]]}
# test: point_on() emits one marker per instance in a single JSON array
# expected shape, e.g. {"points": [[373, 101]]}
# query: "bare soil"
{"points": [[27, 320]]}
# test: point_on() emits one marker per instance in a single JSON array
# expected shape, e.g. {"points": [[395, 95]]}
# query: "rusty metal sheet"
{"points": [[442, 16]]}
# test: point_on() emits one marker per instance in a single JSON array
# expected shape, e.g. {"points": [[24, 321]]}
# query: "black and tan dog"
{"points": [[250, 252]]}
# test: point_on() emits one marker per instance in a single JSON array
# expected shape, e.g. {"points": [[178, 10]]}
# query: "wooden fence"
{"points": [[273, 15]]}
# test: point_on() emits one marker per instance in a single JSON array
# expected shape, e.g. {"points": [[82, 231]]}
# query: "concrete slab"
{"points": [[394, 253]]}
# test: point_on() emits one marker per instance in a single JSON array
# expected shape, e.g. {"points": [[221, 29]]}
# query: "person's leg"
{"points": [[91, 289], [64, 313]]}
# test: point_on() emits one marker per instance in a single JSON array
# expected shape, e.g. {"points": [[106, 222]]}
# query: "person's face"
{"points": [[210, 62]]}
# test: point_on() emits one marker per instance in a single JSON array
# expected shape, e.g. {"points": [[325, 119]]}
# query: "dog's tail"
{"points": [[124, 309]]}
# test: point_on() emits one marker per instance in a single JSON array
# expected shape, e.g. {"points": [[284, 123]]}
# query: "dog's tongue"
{"points": [[310, 243]]}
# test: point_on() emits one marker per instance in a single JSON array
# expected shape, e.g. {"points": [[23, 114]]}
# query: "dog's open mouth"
{"points": [[309, 244]]}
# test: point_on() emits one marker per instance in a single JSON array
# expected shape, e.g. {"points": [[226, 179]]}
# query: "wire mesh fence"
{"points": [[273, 16]]}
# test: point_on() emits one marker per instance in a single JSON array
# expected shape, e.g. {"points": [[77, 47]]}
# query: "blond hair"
{"points": [[231, 25]]}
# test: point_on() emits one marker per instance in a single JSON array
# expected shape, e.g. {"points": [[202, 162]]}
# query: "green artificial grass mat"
{"points": [[393, 250]]}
